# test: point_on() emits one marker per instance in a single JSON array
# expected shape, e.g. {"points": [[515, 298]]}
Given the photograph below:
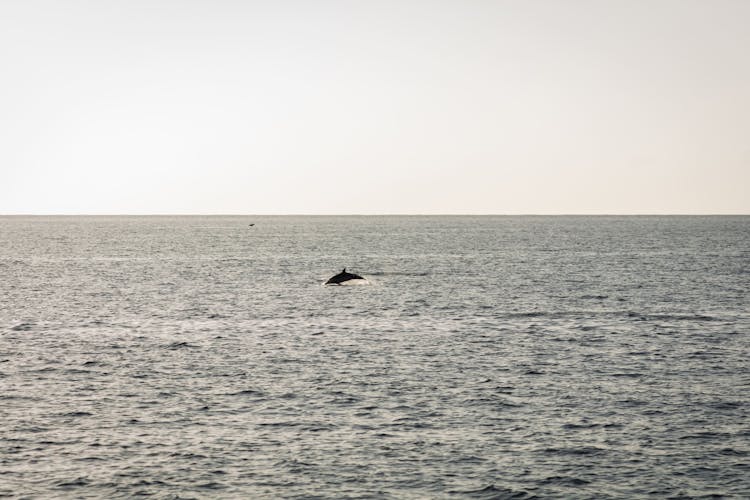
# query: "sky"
{"points": [[374, 107]]}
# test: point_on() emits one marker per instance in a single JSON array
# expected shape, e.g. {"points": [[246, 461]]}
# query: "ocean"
{"points": [[486, 357]]}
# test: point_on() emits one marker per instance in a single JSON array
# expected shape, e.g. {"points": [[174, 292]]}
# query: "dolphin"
{"points": [[343, 276]]}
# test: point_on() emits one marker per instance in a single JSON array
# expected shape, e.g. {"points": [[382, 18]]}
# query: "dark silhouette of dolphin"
{"points": [[343, 276]]}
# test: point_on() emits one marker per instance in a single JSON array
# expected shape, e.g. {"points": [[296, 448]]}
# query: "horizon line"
{"points": [[385, 214]]}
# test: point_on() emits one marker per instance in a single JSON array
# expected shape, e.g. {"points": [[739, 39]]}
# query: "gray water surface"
{"points": [[489, 357]]}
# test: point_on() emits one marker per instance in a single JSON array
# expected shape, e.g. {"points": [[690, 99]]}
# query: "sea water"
{"points": [[488, 357]]}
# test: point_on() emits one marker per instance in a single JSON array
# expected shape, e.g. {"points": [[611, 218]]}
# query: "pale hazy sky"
{"points": [[354, 106]]}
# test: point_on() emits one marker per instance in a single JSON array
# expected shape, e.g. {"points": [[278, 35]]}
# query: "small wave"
{"points": [[280, 424], [565, 481], [469, 460], [398, 273], [638, 316], [707, 435], [580, 426], [58, 443], [495, 401], [15, 397], [23, 327], [632, 402], [45, 369], [188, 455], [94, 363], [586, 450], [727, 405], [76, 371], [181, 345], [671, 317], [293, 463], [247, 392], [79, 481], [732, 452], [77, 414], [34, 429], [494, 493], [146, 482], [533, 314]]}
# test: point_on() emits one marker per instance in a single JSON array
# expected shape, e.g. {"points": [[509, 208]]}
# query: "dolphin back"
{"points": [[342, 277]]}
